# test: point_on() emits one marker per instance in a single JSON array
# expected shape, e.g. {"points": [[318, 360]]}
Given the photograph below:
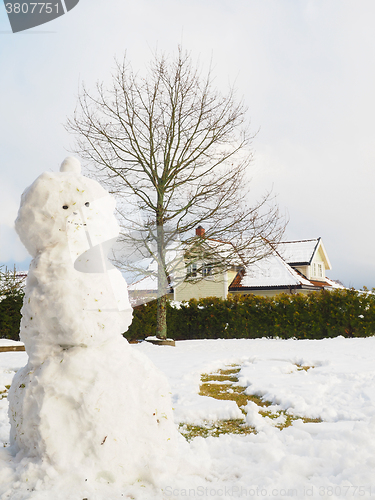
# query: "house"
{"points": [[308, 257], [196, 273], [292, 267], [144, 286], [205, 274]]}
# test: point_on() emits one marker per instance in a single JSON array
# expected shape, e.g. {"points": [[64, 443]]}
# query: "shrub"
{"points": [[10, 315], [315, 316]]}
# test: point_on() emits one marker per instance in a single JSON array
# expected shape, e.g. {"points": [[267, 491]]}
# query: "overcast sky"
{"points": [[306, 69]]}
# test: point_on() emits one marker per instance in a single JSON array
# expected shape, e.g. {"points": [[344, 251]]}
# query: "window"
{"points": [[192, 270], [317, 270], [207, 270]]}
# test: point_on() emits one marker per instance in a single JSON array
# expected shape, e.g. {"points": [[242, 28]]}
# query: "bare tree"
{"points": [[175, 152]]}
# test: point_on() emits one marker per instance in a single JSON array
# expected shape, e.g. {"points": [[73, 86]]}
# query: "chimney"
{"points": [[200, 231]]}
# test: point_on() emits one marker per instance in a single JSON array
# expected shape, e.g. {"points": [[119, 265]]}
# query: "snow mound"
{"points": [[86, 404]]}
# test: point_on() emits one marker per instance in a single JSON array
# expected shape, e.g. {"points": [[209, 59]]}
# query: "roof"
{"points": [[142, 274], [333, 283], [302, 252], [149, 283], [270, 272], [273, 272], [298, 252], [216, 250]]}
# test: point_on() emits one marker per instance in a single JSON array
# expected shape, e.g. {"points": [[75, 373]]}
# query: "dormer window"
{"points": [[317, 270]]}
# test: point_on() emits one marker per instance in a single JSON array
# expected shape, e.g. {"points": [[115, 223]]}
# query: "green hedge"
{"points": [[319, 315], [10, 316], [315, 316]]}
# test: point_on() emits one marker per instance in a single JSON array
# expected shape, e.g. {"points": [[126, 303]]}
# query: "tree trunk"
{"points": [[161, 318], [176, 149]]}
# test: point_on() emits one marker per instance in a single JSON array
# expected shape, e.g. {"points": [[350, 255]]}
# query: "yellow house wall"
{"points": [[303, 269], [318, 257], [231, 276], [213, 286]]}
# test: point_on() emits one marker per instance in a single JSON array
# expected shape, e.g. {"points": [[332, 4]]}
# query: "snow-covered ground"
{"points": [[331, 459]]}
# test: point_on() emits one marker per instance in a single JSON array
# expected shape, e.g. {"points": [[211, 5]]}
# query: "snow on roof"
{"points": [[149, 283], [144, 271], [270, 272], [334, 283], [298, 252], [222, 250]]}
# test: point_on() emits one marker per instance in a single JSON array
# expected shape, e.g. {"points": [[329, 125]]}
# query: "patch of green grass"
{"points": [[215, 429], [223, 385], [228, 391], [4, 394], [288, 418], [304, 367]]}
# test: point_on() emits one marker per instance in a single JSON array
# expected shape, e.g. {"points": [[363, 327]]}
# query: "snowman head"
{"points": [[65, 210]]}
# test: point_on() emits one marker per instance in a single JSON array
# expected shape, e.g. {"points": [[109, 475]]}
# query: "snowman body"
{"points": [[86, 401]]}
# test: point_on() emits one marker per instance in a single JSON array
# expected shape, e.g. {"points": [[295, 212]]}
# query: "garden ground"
{"points": [[280, 419]]}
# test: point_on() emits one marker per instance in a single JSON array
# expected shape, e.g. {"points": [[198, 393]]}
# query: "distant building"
{"points": [[293, 267]]}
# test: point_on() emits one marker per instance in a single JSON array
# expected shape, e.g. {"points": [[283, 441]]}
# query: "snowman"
{"points": [[86, 402]]}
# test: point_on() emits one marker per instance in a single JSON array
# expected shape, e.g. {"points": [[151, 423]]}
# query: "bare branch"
{"points": [[176, 154]]}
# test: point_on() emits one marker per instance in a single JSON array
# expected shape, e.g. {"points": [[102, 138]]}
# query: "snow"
{"points": [[71, 164], [334, 283], [89, 416], [85, 406], [272, 271], [9, 343], [298, 251], [148, 269], [331, 459]]}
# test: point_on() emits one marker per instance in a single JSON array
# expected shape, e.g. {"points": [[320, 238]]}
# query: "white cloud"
{"points": [[305, 69]]}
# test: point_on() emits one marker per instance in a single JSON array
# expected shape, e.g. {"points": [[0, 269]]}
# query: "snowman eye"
{"points": [[87, 204], [65, 207]]}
